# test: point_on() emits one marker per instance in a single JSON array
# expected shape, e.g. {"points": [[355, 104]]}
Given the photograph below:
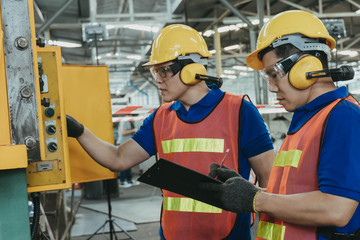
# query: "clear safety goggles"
{"points": [[279, 69], [163, 72], [272, 74]]}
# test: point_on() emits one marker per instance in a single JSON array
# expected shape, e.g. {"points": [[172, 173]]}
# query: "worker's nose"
{"points": [[272, 87], [158, 79]]}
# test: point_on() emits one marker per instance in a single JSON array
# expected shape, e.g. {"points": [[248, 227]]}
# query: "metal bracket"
{"points": [[20, 76]]}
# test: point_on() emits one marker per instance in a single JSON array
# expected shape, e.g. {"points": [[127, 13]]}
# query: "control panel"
{"points": [[52, 172]]}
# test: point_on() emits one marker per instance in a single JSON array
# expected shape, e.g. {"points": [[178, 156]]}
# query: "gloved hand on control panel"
{"points": [[74, 128]]}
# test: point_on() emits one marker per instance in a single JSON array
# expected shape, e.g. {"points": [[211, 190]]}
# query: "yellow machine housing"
{"points": [[26, 140], [83, 93], [87, 98]]}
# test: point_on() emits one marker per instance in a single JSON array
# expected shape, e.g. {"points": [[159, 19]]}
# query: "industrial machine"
{"points": [[34, 149]]}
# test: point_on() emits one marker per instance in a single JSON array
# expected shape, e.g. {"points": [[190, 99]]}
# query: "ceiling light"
{"points": [[348, 53], [241, 25], [257, 21], [110, 27], [64, 44], [135, 57], [208, 33], [228, 76], [242, 68], [142, 28], [232, 47], [228, 28], [229, 71]]}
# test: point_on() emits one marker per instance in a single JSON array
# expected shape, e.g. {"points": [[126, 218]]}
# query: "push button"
{"points": [[49, 112]]}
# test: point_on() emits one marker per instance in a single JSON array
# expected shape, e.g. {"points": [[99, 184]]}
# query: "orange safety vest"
{"points": [[196, 145], [295, 171]]}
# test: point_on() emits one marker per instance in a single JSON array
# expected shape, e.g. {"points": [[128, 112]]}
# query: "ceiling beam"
{"points": [[237, 13], [84, 8], [228, 20], [226, 13], [354, 3], [38, 11], [133, 15], [52, 19], [355, 39], [296, 6]]}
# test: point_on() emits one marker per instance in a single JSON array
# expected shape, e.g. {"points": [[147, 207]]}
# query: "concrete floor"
{"points": [[145, 231]]}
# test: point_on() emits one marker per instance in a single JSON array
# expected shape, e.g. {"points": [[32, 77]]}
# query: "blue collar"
{"points": [[304, 113], [210, 99], [324, 99]]}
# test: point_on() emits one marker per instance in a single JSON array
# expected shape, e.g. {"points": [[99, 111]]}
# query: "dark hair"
{"points": [[288, 49]]}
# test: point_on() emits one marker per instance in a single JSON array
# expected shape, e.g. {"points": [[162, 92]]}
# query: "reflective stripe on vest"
{"points": [[193, 145], [287, 158], [270, 231], [188, 205]]}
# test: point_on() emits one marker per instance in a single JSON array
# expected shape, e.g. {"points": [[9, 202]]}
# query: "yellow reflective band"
{"points": [[188, 205], [193, 145], [288, 158], [270, 231]]}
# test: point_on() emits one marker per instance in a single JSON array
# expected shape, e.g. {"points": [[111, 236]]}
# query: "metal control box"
{"points": [[53, 171]]}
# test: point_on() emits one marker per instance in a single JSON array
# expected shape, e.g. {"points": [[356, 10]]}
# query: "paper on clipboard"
{"points": [[181, 180]]}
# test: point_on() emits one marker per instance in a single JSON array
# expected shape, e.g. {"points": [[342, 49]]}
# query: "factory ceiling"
{"points": [[119, 33]]}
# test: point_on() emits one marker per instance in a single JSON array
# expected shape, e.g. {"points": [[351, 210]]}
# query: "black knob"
{"points": [[51, 129], [45, 102], [52, 147], [49, 112]]}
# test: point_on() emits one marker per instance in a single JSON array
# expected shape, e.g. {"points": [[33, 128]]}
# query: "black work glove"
{"points": [[74, 128], [222, 173], [236, 194]]}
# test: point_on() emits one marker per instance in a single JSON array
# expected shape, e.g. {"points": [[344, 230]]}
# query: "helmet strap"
{"points": [[196, 58]]}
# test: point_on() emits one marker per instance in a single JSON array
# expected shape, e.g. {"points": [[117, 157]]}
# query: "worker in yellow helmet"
{"points": [[313, 190], [195, 126]]}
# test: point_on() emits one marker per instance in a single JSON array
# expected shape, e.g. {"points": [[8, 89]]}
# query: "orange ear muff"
{"points": [[297, 74], [187, 74]]}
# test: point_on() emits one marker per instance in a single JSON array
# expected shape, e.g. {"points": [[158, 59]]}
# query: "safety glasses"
{"points": [[162, 72], [280, 69]]}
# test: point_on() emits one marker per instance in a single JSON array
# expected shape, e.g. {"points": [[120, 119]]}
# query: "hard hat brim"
{"points": [[253, 60]]}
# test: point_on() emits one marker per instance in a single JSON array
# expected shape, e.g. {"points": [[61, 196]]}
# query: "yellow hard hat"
{"points": [[286, 23], [176, 40]]}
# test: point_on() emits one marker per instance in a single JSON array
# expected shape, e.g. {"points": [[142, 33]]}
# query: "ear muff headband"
{"points": [[187, 74], [297, 74]]}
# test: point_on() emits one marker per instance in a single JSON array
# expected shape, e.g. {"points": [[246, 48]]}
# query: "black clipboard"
{"points": [[181, 180]]}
